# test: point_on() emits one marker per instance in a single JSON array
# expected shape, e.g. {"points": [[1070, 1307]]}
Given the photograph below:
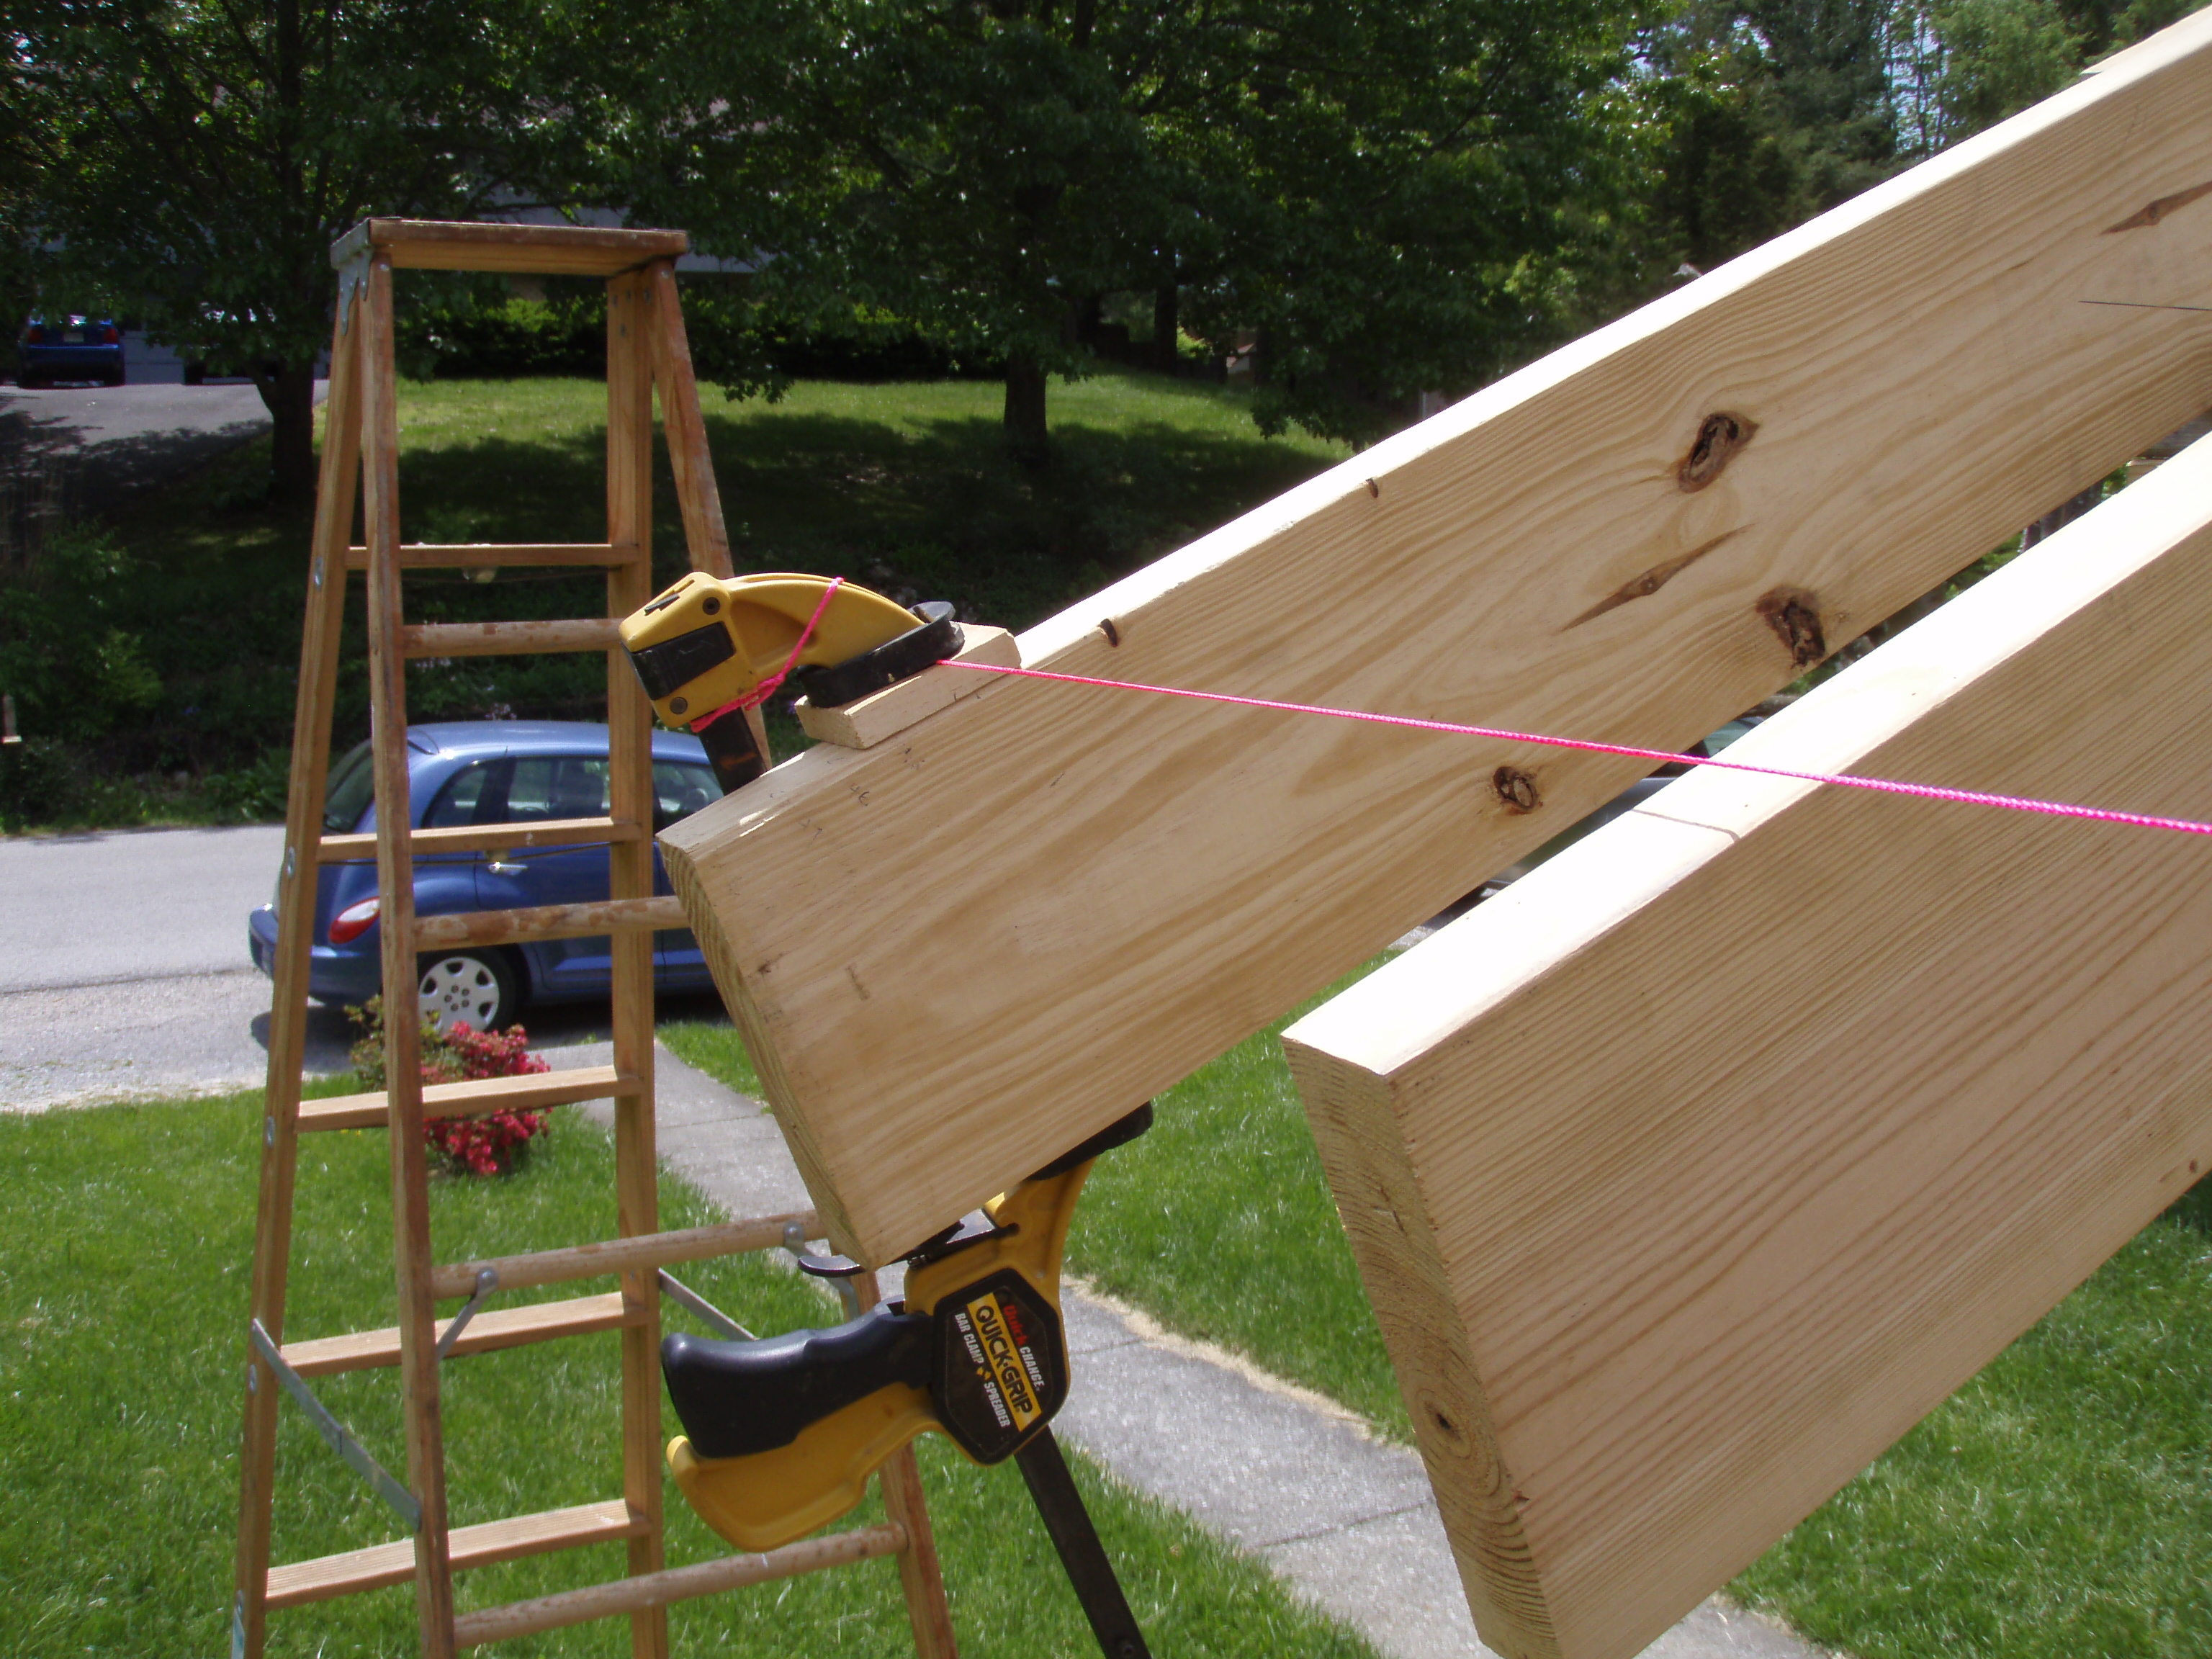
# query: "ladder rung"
{"points": [[474, 1097], [549, 921], [476, 555], [485, 838], [658, 1590], [622, 1255], [503, 1327], [509, 639], [510, 1540]]}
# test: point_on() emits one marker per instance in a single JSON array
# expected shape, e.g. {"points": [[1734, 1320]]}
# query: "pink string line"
{"points": [[766, 688], [1887, 786]]}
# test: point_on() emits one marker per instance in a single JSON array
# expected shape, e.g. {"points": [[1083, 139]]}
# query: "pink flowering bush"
{"points": [[474, 1145]]}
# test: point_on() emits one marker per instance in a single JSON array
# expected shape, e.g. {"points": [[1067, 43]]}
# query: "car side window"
{"points": [[556, 786], [679, 790], [460, 800]]}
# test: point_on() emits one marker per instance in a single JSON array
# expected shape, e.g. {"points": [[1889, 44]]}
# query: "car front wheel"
{"points": [[472, 987]]}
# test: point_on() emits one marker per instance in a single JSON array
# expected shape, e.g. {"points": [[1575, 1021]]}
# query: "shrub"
{"points": [[38, 783], [491, 1144], [253, 793]]}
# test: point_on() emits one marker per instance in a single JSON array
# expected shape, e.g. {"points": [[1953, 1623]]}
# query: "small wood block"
{"points": [[867, 721]]}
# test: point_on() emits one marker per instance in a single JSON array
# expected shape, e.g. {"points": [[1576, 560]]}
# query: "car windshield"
{"points": [[352, 787]]}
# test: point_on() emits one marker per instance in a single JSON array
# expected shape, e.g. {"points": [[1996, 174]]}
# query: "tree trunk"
{"points": [[1164, 327], [1025, 409], [288, 391]]}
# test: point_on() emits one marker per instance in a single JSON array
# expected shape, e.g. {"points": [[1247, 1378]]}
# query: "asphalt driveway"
{"points": [[123, 965], [123, 969], [111, 442]]}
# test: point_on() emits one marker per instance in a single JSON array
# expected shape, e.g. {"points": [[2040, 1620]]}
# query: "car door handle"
{"points": [[500, 868]]}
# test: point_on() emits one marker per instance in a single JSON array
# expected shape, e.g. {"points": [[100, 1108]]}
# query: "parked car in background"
{"points": [[487, 772], [70, 346]]}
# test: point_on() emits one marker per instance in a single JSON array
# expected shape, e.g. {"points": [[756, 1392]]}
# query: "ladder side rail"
{"points": [[705, 532], [299, 879], [395, 870], [630, 313], [681, 424], [922, 1578]]}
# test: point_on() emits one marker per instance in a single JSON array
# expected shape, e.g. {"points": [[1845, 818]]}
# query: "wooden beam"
{"points": [[955, 956], [1691, 1172]]}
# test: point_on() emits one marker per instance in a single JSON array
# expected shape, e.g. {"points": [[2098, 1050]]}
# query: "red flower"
{"points": [[483, 1145]]}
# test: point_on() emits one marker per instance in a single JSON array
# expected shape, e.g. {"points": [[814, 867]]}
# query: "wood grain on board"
{"points": [[1690, 1172], [957, 954]]}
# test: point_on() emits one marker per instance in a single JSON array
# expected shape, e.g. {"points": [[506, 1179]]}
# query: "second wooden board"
{"points": [[1690, 1172]]}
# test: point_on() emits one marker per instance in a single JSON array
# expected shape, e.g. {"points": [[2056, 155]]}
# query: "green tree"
{"points": [[1413, 195], [980, 170], [194, 159], [1387, 193], [1768, 112]]}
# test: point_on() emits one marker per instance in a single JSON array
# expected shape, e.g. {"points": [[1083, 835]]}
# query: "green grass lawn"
{"points": [[905, 487], [126, 1243], [2061, 1503]]}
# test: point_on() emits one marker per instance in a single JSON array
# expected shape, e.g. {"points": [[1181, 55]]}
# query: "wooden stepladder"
{"points": [[647, 352]]}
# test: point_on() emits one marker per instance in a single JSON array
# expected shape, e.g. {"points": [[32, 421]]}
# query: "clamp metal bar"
{"points": [[487, 1282], [676, 1291], [1089, 1569], [839, 1271], [340, 1437]]}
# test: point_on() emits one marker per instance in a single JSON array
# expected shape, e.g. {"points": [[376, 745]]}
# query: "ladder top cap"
{"points": [[539, 249]]}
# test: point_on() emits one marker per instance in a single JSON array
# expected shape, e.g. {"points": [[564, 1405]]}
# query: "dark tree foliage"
{"points": [[1390, 195], [193, 162], [1772, 111], [1421, 194]]}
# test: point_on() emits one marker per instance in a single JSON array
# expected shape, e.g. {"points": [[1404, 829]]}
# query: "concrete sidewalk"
{"points": [[1294, 1480]]}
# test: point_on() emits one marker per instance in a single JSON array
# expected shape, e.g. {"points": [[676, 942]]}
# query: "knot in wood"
{"points": [[1515, 789], [1720, 436], [1794, 617]]}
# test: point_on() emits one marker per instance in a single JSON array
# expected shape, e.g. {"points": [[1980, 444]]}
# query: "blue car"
{"points": [[70, 348], [486, 772]]}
